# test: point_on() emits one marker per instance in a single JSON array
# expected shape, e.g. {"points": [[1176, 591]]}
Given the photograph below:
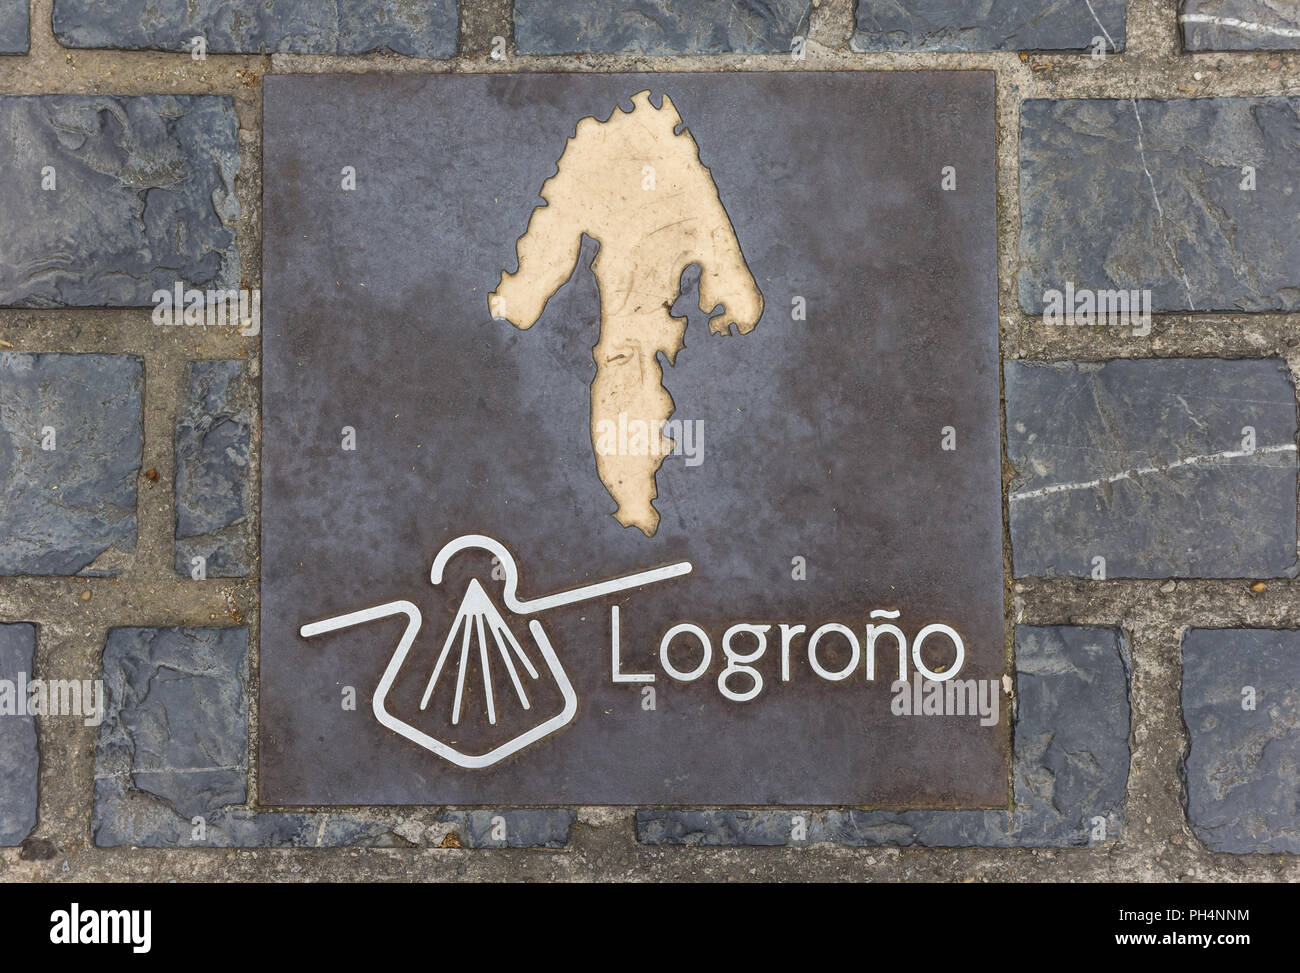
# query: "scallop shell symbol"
{"points": [[478, 620]]}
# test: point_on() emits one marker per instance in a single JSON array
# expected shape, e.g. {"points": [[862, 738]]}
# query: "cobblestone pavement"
{"points": [[1157, 668]]}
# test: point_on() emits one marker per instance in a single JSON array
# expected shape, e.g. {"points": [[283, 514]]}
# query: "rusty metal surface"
{"points": [[821, 440]]}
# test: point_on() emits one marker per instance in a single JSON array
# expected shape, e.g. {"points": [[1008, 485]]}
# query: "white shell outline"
{"points": [[515, 604]]}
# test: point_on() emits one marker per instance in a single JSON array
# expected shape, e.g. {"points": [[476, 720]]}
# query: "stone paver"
{"points": [[977, 25], [1240, 25], [658, 26], [1241, 705], [70, 444], [1164, 468], [424, 29], [1071, 734], [13, 26], [111, 198], [1071, 767], [1153, 195], [171, 760], [1146, 458], [212, 472], [20, 758], [512, 827]]}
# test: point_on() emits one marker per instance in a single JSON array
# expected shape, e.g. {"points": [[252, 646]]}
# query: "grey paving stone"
{"points": [[212, 472], [13, 26], [1071, 768], [977, 25], [1241, 705], [1240, 25], [171, 760], [20, 759], [1071, 734], [1147, 195], [658, 26], [1145, 463], [424, 28], [522, 827], [65, 506], [143, 197]]}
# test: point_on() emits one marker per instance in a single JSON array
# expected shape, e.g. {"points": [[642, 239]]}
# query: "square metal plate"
{"points": [[837, 453]]}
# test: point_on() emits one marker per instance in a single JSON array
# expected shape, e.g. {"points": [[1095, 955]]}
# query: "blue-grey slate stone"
{"points": [[13, 26], [1241, 705], [1147, 195], [981, 25], [1144, 462], [212, 473], [659, 26], [524, 827], [143, 197], [20, 760], [1071, 734], [1240, 25], [419, 28], [65, 506], [1071, 768], [173, 748]]}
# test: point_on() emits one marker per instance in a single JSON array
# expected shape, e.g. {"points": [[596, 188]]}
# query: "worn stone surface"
{"points": [[1241, 705], [13, 26], [20, 758], [173, 749], [1147, 194], [1071, 768], [1071, 734], [65, 506], [143, 196], [521, 827], [1240, 25], [423, 29], [1156, 847], [1148, 464], [212, 471], [977, 25], [658, 26], [438, 456]]}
